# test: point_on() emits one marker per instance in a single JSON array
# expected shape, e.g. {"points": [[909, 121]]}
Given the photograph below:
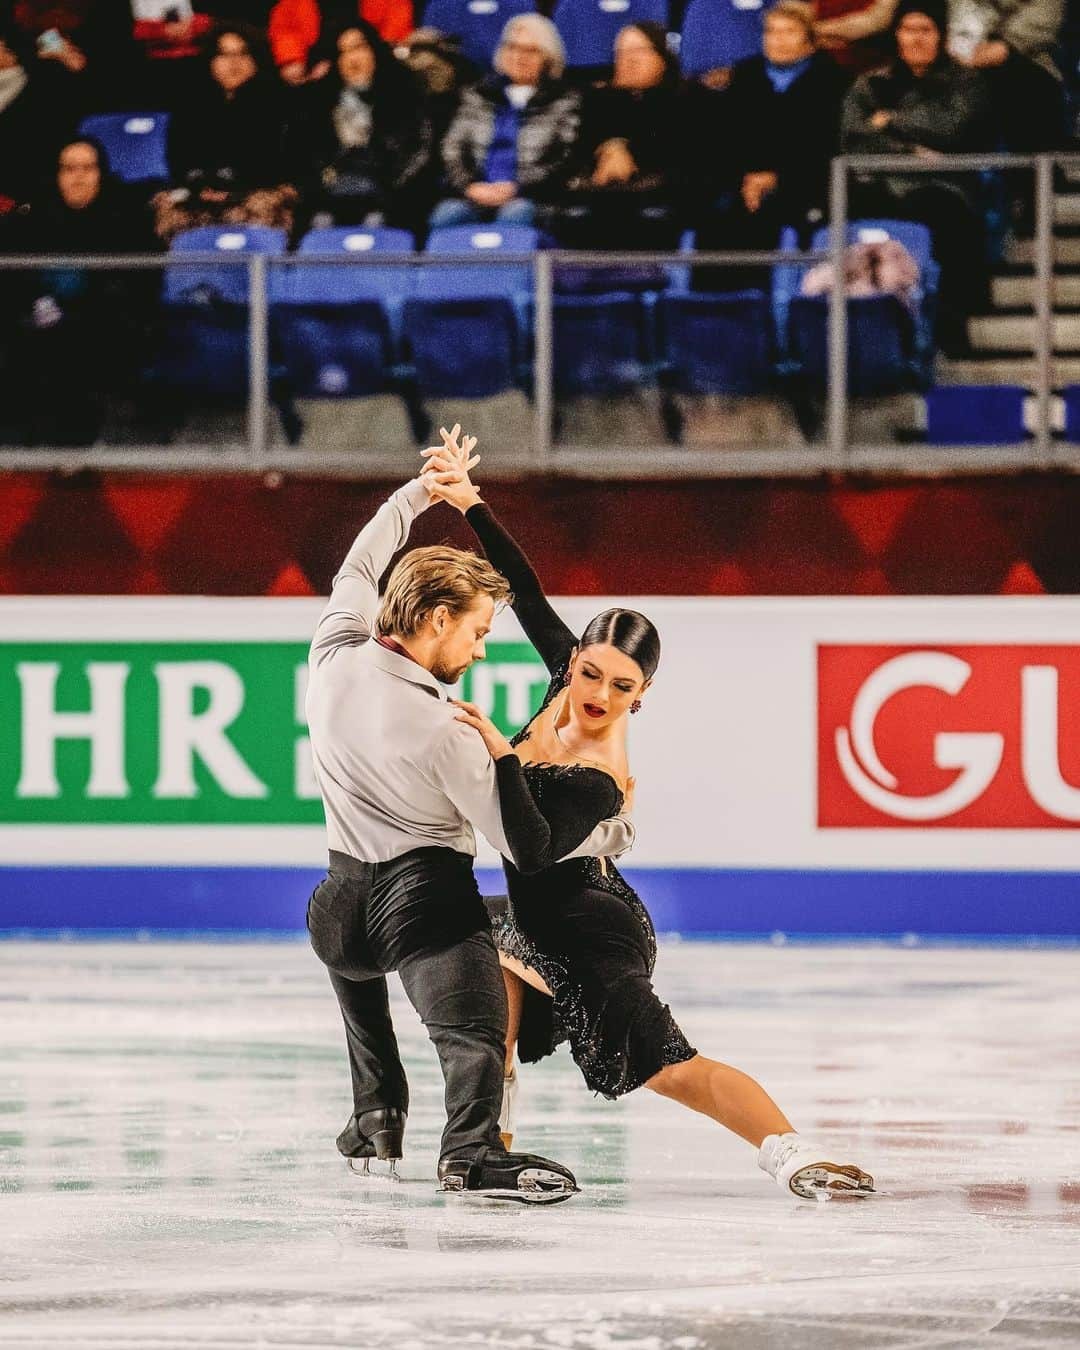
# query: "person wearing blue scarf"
{"points": [[780, 115]]}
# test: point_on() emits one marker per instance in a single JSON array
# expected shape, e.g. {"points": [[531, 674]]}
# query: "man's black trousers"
{"points": [[421, 915]]}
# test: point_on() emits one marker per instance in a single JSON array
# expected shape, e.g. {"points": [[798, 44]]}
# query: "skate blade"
{"points": [[533, 1188], [360, 1167], [827, 1180]]}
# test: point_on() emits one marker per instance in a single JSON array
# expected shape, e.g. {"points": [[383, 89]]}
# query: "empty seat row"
{"points": [[346, 329]]}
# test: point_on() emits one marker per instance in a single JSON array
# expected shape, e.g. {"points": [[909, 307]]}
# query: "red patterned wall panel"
{"points": [[91, 533]]}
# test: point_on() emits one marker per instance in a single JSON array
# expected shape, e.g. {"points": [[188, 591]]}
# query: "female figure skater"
{"points": [[578, 946]]}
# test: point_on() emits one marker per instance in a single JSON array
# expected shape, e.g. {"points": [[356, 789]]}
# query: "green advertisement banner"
{"points": [[158, 733]]}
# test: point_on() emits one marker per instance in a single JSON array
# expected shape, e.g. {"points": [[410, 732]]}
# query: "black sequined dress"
{"points": [[578, 923]]}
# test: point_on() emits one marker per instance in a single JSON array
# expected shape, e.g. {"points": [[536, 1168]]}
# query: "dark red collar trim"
{"points": [[393, 645]]}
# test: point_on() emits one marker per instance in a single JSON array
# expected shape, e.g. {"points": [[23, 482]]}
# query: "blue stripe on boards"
{"points": [[691, 901]]}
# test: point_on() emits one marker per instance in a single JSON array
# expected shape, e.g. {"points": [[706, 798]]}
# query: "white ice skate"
{"points": [[801, 1167], [509, 1107]]}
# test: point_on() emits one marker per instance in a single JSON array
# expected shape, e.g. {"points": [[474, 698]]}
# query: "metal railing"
{"points": [[833, 453]]}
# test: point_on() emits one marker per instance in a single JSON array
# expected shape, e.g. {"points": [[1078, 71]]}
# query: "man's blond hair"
{"points": [[429, 577], [799, 11]]}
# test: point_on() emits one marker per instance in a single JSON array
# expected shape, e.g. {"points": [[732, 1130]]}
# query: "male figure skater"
{"points": [[402, 771]]}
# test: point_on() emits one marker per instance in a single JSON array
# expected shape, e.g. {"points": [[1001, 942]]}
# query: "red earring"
{"points": [[566, 677], [635, 707]]}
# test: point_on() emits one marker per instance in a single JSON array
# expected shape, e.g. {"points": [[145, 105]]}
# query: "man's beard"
{"points": [[448, 674]]}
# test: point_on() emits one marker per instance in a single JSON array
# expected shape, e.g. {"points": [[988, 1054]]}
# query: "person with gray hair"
{"points": [[508, 150]]}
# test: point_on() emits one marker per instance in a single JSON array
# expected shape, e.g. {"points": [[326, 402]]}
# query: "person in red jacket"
{"points": [[296, 25]]}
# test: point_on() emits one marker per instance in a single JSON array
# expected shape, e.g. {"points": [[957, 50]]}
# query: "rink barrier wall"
{"points": [[692, 902], [810, 766]]}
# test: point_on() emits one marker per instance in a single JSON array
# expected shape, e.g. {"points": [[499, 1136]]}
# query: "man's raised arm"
{"points": [[349, 616]]}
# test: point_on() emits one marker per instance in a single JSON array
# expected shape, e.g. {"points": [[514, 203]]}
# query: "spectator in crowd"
{"points": [[642, 171], [857, 34], [781, 125], [441, 70], [360, 138], [924, 104], [73, 335], [1012, 42], [91, 40], [170, 36], [297, 26], [508, 151], [36, 110], [226, 144]]}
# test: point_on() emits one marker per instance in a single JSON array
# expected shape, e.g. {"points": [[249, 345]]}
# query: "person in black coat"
{"points": [[640, 168], [74, 336], [37, 110], [781, 121], [360, 139], [226, 144], [924, 104]]}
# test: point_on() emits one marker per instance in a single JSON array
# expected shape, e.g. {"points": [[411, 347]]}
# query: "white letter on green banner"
{"points": [[185, 733], [102, 726]]}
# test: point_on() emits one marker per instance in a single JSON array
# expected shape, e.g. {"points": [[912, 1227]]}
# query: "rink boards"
{"points": [[809, 766]]}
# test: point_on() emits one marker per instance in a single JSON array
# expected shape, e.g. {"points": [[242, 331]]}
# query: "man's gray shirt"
{"points": [[395, 769]]}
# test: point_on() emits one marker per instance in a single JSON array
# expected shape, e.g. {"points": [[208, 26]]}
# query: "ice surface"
{"points": [[168, 1176]]}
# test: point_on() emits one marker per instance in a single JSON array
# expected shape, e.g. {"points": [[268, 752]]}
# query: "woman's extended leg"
{"points": [[515, 997], [743, 1106], [727, 1095], [515, 977]]}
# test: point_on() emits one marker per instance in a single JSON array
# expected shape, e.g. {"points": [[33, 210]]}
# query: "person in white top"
{"points": [[405, 773]]}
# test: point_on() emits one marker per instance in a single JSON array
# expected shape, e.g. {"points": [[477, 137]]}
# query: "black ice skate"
{"points": [[373, 1134], [508, 1176]]}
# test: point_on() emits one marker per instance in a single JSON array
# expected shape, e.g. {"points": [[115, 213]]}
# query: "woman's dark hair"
{"points": [[630, 633], [391, 75], [108, 182], [655, 34], [255, 42]]}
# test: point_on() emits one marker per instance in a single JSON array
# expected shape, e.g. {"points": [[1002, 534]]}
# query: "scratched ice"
{"points": [[168, 1177]]}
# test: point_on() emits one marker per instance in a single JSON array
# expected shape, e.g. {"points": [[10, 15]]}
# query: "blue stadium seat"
{"points": [[504, 281], [914, 237], [601, 343], [589, 27], [717, 344], [890, 347], [468, 328], [478, 23], [304, 282], [880, 343], [1070, 397], [134, 142], [206, 312], [464, 348], [204, 348], [964, 414], [335, 351], [717, 33], [337, 327], [206, 283]]}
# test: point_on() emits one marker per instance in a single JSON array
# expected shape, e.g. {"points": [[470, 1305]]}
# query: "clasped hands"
{"points": [[446, 474], [446, 477]]}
